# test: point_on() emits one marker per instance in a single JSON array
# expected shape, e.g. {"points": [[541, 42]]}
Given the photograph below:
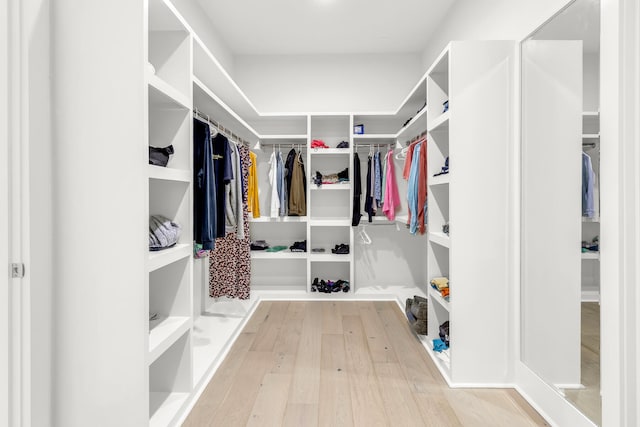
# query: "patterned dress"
{"points": [[230, 261]]}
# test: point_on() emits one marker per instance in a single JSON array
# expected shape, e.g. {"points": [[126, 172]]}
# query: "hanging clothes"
{"points": [[204, 187], [234, 189], [385, 167], [223, 174], [253, 198], [357, 191], [298, 192], [408, 160], [422, 189], [391, 195], [282, 186], [368, 201], [588, 181], [273, 180], [288, 170], [412, 190], [230, 261], [377, 180]]}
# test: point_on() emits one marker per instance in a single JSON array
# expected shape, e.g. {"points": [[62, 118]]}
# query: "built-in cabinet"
{"points": [[470, 92]]}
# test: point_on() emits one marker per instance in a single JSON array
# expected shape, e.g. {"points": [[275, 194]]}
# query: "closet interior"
{"points": [[336, 229]]}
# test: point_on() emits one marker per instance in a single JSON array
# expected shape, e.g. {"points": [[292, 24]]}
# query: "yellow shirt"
{"points": [[253, 200]]}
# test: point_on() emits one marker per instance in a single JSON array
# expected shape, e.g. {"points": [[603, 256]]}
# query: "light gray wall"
{"points": [[337, 83]]}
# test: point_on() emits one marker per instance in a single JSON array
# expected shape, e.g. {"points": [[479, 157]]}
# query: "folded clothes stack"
{"points": [[441, 284], [332, 178], [318, 143]]}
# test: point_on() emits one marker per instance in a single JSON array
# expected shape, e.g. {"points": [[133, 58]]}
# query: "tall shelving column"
{"points": [[475, 130], [329, 205], [169, 283], [591, 225]]}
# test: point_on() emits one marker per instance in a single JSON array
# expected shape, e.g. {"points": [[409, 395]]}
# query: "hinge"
{"points": [[17, 270]]}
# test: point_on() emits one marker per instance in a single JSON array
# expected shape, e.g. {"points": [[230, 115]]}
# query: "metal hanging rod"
{"points": [[223, 130]]}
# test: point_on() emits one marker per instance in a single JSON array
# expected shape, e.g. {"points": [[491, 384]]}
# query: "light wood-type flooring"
{"points": [[588, 400], [342, 364]]}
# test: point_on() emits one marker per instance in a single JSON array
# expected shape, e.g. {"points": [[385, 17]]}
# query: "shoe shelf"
{"points": [[159, 259], [278, 255], [164, 332], [439, 238], [437, 297], [169, 174]]}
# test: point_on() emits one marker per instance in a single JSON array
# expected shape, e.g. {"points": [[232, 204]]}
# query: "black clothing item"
{"points": [[220, 145], [204, 187], [368, 201], [288, 170], [160, 156], [357, 191]]}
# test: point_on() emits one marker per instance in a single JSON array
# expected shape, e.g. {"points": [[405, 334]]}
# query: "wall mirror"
{"points": [[560, 311]]}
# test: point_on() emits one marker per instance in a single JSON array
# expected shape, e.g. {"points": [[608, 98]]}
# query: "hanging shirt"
{"points": [[385, 166], [254, 200], [282, 187], [391, 195], [412, 191], [377, 181], [588, 179], [204, 187], [407, 161], [234, 218], [422, 188], [297, 195], [273, 180], [223, 174], [357, 190], [368, 201]]}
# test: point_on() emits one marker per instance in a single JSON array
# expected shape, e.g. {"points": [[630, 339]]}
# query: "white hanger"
{"points": [[366, 240]]}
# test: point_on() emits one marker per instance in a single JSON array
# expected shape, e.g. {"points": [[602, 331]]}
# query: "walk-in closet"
{"points": [[319, 212]]}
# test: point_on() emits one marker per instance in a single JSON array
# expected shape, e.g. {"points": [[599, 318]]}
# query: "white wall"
{"points": [[591, 81], [199, 21], [100, 193], [39, 248], [339, 83], [490, 20]]}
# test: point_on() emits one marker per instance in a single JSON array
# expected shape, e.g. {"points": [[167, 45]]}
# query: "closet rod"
{"points": [[223, 130]]}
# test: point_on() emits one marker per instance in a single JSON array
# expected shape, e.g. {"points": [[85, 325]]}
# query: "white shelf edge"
{"points": [[440, 179], [374, 136], [590, 136], [159, 259], [169, 91], [165, 333], [586, 219], [284, 137], [329, 187], [285, 254], [330, 257], [440, 239], [438, 298], [330, 222], [412, 122], [172, 404], [590, 255], [590, 113], [267, 219], [441, 120], [328, 151], [169, 174]]}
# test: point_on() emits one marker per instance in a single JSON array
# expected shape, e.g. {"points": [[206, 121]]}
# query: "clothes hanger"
{"points": [[366, 240]]}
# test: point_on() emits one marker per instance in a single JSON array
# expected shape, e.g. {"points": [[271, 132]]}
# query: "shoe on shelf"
{"points": [[343, 144], [341, 249], [314, 285], [318, 143]]}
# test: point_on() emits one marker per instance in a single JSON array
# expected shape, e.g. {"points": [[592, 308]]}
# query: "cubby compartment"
{"points": [[278, 234], [327, 205], [170, 382], [170, 124], [438, 88], [438, 258], [172, 199], [328, 237], [438, 209], [169, 48], [330, 129], [330, 271], [285, 274]]}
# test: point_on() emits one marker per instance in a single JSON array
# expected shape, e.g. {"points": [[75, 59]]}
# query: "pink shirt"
{"points": [[391, 195]]}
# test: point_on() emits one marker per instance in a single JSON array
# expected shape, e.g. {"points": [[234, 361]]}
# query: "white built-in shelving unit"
{"points": [[476, 78], [590, 270], [170, 271]]}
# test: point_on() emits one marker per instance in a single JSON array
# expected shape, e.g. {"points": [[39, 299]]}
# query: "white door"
{"points": [[551, 208]]}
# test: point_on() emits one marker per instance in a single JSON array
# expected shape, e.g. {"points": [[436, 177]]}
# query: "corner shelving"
{"points": [[439, 238], [164, 332], [169, 174], [438, 298]]}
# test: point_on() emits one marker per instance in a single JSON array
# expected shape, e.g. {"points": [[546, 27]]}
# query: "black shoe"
{"points": [[341, 249], [314, 285]]}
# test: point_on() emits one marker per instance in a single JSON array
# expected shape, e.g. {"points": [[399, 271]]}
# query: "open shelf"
{"points": [[437, 297], [416, 126], [329, 257], [159, 259], [590, 255], [280, 219], [164, 332], [168, 91], [330, 187], [439, 180], [165, 406], [328, 151], [169, 174], [439, 238], [374, 138], [441, 123], [330, 222]]}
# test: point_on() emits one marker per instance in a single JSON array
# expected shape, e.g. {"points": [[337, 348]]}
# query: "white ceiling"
{"points": [[298, 27]]}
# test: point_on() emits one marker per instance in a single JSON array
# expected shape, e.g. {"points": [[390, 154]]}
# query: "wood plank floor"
{"points": [[342, 363]]}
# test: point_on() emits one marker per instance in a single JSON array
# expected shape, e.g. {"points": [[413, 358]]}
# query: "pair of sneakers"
{"points": [[341, 249], [329, 286], [299, 246]]}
